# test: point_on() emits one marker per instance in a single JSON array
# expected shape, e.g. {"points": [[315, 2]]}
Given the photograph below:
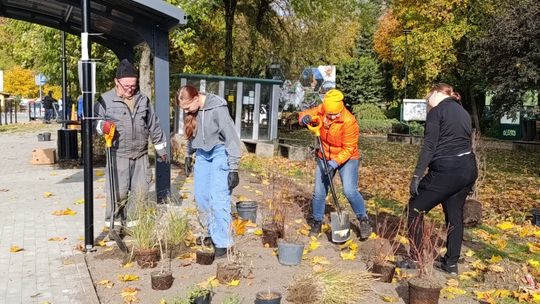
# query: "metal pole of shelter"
{"points": [[64, 80], [87, 129]]}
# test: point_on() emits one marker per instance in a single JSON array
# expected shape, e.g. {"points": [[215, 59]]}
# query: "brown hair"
{"points": [[446, 89], [190, 119]]}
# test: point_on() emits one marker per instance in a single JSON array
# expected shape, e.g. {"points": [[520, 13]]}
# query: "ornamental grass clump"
{"points": [[178, 227], [330, 287], [144, 231]]}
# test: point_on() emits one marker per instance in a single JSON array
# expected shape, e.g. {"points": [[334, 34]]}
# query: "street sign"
{"points": [[40, 79]]}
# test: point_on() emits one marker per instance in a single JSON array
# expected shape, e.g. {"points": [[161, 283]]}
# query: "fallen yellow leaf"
{"points": [[233, 283], [102, 243], [239, 226], [67, 211], [320, 260], [452, 283], [533, 263], [479, 265], [534, 248], [505, 225], [496, 268], [469, 253], [373, 236], [298, 221], [313, 244], [15, 248], [452, 292], [127, 277], [79, 201], [494, 259], [351, 255], [57, 239], [47, 194], [129, 295], [389, 299], [303, 231], [127, 265], [106, 283], [325, 227], [100, 173], [258, 232], [502, 293]]}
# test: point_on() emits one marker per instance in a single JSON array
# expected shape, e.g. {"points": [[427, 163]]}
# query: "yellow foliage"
{"points": [[351, 255], [320, 260], [67, 211], [478, 265], [313, 244], [20, 82], [57, 239], [494, 259], [452, 292], [239, 226], [233, 283], [127, 277]]}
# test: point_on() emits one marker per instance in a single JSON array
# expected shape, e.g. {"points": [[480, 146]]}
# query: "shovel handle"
{"points": [[110, 136], [316, 129]]}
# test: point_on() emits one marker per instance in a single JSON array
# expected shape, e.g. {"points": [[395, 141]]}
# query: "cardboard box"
{"points": [[44, 156]]}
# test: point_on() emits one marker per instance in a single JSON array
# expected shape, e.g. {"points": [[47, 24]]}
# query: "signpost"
{"points": [[40, 80]]}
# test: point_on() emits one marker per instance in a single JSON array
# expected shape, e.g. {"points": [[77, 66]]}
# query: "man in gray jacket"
{"points": [[135, 121]]}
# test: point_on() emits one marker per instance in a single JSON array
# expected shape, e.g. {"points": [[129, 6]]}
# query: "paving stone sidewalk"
{"points": [[45, 270]]}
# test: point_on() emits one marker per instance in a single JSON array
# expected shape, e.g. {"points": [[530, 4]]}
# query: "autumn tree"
{"points": [[20, 82]]}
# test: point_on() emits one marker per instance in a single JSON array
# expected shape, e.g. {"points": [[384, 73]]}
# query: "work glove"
{"points": [[107, 126], [413, 187], [306, 120], [233, 179], [332, 166], [188, 165]]}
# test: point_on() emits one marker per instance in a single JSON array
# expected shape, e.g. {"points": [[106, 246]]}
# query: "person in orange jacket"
{"points": [[339, 137]]}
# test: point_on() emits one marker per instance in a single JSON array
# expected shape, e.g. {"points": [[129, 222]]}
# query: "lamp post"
{"points": [[406, 32]]}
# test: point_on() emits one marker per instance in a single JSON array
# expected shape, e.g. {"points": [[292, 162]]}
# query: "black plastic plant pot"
{"points": [[206, 299], [268, 297]]}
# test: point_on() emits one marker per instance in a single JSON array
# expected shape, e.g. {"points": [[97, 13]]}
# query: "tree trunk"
{"points": [[474, 108], [230, 7], [145, 71]]}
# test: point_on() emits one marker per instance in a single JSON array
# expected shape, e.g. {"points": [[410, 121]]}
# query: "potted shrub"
{"points": [[162, 280], [290, 249], [384, 249], [205, 254], [230, 269], [177, 229], [268, 297], [144, 237], [330, 286], [199, 295], [424, 288]]}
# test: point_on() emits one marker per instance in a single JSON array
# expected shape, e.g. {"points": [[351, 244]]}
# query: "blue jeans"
{"points": [[212, 193], [349, 178]]}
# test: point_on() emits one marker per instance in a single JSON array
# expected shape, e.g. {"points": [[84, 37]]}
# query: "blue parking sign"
{"points": [[40, 79]]}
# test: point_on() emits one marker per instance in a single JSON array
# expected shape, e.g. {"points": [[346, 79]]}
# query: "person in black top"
{"points": [[447, 152], [48, 104]]}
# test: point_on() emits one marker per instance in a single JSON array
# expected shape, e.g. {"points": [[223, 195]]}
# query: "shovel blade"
{"points": [[341, 227], [119, 242]]}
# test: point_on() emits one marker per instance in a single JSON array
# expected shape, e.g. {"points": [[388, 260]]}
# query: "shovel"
{"points": [[112, 191], [339, 221]]}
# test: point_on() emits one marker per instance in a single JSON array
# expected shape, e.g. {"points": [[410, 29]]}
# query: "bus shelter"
{"points": [[253, 102]]}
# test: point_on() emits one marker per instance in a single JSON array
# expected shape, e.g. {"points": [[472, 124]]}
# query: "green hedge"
{"points": [[373, 126]]}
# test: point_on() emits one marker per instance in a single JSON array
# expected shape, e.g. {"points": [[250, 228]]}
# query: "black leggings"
{"points": [[448, 181]]}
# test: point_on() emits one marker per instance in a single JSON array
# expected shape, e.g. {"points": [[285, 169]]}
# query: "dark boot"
{"points": [[364, 227], [220, 253], [315, 228]]}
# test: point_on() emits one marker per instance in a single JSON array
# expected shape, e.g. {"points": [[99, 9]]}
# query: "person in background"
{"points": [[48, 105], [447, 152], [211, 135], [133, 117], [339, 136]]}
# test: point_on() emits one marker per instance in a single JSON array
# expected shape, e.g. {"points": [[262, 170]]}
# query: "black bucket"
{"points": [[247, 210]]}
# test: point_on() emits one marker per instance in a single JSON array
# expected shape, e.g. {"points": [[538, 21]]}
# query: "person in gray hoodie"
{"points": [[210, 131]]}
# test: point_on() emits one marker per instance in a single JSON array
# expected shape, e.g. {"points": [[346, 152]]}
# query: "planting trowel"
{"points": [[339, 221], [113, 234]]}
